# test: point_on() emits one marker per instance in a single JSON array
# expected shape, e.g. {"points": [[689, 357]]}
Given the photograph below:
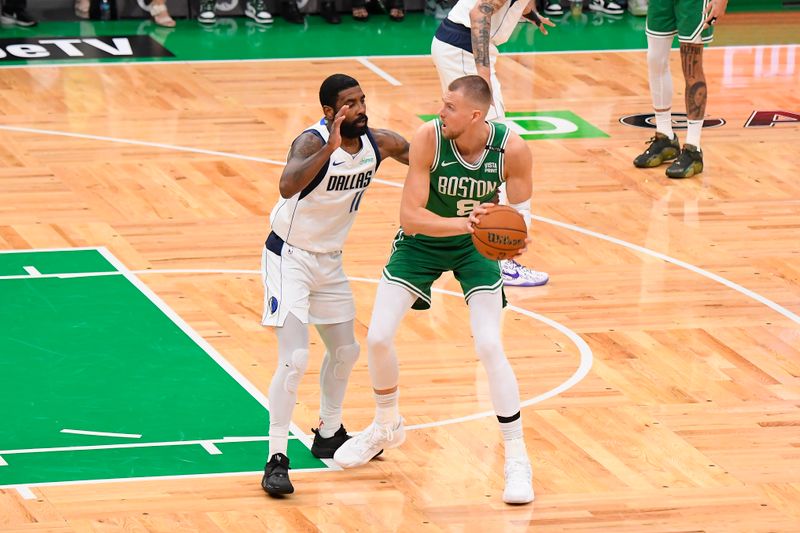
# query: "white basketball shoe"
{"points": [[370, 443]]}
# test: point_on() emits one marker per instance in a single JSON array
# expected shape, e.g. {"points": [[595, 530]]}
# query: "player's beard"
{"points": [[354, 129]]}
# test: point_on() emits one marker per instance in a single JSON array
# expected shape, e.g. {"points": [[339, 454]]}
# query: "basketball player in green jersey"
{"points": [[456, 163], [692, 21]]}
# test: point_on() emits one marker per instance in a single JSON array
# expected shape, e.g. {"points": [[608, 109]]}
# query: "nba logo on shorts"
{"points": [[273, 304]]}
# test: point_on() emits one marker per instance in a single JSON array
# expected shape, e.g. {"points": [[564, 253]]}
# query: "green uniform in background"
{"points": [[666, 18]]}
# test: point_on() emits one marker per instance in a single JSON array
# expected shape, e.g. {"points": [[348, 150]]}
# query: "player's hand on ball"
{"points": [[475, 216]]}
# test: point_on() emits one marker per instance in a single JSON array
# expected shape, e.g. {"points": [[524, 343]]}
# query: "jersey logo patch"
{"points": [[273, 304], [449, 163], [337, 163], [490, 167]]}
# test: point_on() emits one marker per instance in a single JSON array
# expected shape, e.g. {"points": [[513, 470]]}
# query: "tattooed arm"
{"points": [[392, 145], [480, 18], [307, 156]]}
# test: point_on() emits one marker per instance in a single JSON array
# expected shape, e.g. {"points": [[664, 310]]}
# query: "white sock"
{"points": [[278, 440], [664, 123], [387, 411], [329, 425], [515, 449], [693, 133]]}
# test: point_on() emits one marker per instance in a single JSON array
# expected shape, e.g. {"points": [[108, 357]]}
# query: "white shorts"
{"points": [[313, 287], [452, 62]]}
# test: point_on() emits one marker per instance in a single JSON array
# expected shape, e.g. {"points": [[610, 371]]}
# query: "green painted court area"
{"points": [[100, 380]]}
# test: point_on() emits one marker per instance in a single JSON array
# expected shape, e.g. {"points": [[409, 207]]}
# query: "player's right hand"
{"points": [[335, 138], [475, 216]]}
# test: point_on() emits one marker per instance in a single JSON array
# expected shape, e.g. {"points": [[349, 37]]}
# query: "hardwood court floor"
{"points": [[688, 419]]}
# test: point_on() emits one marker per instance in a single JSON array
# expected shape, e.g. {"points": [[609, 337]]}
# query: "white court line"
{"points": [[101, 433], [25, 492], [253, 473], [3, 461], [683, 264], [379, 71], [210, 448], [141, 143], [202, 343], [347, 58], [583, 369], [32, 271]]}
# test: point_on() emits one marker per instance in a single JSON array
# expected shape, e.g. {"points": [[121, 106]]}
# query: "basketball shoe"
{"points": [[661, 149], [553, 8], [516, 275], [519, 488], [606, 6], [369, 444], [688, 164], [206, 14], [325, 447], [276, 476], [257, 10]]}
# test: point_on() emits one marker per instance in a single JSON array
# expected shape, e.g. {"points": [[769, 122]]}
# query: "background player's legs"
{"points": [[690, 160], [341, 355], [664, 146], [660, 78], [485, 313], [392, 302], [696, 91]]}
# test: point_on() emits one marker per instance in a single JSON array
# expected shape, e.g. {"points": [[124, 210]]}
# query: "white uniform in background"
{"points": [[452, 46]]}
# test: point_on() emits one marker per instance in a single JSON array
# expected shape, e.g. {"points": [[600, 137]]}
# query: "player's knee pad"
{"points": [[298, 363], [344, 359]]}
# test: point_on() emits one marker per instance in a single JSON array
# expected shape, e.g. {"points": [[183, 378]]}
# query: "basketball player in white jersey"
{"points": [[329, 167], [466, 43]]}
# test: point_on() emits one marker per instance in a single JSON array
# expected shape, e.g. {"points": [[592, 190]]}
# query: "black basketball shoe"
{"points": [[661, 149], [276, 476], [324, 448], [688, 164]]}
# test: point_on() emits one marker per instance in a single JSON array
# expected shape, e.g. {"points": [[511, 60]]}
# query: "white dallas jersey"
{"points": [[318, 218], [503, 21]]}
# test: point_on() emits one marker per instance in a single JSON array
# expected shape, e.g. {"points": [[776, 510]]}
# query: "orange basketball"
{"points": [[500, 233]]}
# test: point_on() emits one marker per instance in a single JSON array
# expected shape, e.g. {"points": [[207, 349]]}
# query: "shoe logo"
{"points": [[512, 275], [449, 163], [337, 163]]}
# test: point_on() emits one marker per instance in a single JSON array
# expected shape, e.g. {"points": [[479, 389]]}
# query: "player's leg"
{"points": [[332, 309], [392, 302], [691, 18], [341, 354], [661, 30], [286, 303], [292, 362], [485, 312]]}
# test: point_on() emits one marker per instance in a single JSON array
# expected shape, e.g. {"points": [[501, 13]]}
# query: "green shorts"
{"points": [[416, 263], [666, 18]]}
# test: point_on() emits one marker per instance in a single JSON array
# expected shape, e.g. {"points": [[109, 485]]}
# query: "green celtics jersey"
{"points": [[457, 186]]}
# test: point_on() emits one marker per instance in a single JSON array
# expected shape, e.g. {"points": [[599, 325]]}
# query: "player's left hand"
{"points": [[541, 22], [714, 11]]}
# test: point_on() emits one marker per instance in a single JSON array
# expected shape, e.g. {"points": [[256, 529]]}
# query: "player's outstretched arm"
{"points": [[536, 18], [307, 156], [392, 145], [414, 217], [480, 18]]}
